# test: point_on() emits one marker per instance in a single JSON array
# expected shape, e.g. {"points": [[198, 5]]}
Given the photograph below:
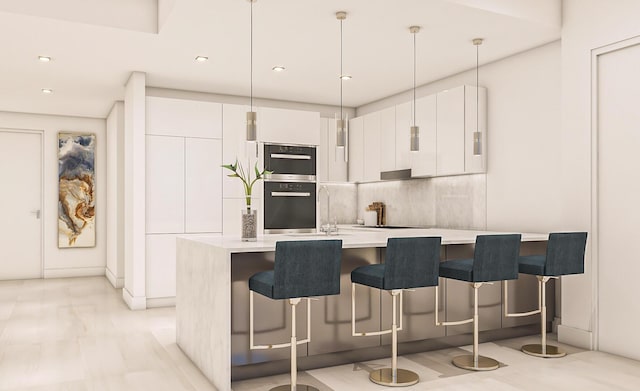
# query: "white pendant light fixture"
{"points": [[341, 131], [414, 130], [251, 115], [477, 135]]}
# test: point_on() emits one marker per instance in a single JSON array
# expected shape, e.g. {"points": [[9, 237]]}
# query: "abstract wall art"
{"points": [[76, 190]]}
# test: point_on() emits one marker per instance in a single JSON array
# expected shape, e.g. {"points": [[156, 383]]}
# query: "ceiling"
{"points": [[96, 44]]}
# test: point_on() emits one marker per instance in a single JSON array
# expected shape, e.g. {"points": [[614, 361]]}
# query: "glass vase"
{"points": [[249, 225]]}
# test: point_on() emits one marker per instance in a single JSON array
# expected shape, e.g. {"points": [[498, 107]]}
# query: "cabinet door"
{"points": [[475, 119], [203, 180], [288, 126], [164, 184], [322, 153], [186, 118], [336, 164], [388, 139], [235, 146], [356, 150], [372, 147], [450, 132], [423, 161], [403, 122]]}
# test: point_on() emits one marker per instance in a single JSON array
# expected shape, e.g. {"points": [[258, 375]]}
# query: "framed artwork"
{"points": [[76, 190]]}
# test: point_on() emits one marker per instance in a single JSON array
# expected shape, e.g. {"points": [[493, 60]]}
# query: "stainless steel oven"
{"points": [[290, 192]]}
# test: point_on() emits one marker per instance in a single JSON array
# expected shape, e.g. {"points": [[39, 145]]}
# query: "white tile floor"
{"points": [[78, 335]]}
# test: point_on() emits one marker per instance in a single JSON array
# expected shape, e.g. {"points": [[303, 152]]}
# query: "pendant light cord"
{"points": [[414, 79], [251, 58], [341, 80], [477, 88]]}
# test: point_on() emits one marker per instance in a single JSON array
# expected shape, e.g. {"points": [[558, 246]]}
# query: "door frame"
{"points": [[595, 164], [40, 133]]}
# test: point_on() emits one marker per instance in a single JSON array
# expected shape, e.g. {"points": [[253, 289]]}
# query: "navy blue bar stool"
{"points": [[495, 258], [303, 269], [409, 263], [565, 255]]}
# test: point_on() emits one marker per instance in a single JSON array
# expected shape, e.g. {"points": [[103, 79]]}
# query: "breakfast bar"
{"points": [[212, 303]]}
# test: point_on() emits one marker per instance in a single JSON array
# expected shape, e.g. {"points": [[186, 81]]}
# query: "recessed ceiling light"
{"points": [[345, 77], [47, 91], [201, 58], [445, 91], [278, 68], [44, 58]]}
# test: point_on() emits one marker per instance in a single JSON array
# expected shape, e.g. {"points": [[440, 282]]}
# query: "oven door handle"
{"points": [[290, 156], [290, 194]]}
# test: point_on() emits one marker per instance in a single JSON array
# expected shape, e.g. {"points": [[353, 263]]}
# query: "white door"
{"points": [[619, 201], [21, 205]]}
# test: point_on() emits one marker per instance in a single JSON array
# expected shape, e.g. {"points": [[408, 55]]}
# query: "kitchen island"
{"points": [[212, 301]]}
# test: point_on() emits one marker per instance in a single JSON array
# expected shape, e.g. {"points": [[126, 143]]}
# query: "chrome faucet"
{"points": [[327, 228]]}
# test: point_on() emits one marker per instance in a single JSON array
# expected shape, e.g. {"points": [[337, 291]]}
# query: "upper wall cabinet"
{"points": [[331, 160], [187, 118], [371, 144], [423, 161], [450, 132], [388, 139], [283, 126], [403, 132], [356, 150]]}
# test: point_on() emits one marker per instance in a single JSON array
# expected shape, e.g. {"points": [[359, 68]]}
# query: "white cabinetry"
{"points": [[450, 132], [283, 126], [388, 139], [356, 150], [331, 162], [183, 182], [371, 147], [423, 161], [403, 122]]}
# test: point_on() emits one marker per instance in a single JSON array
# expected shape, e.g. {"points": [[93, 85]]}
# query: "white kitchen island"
{"points": [[212, 299]]}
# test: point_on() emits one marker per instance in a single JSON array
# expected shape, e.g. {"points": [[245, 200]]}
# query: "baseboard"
{"points": [[161, 302], [116, 282], [134, 303], [554, 325], [74, 272], [575, 337]]}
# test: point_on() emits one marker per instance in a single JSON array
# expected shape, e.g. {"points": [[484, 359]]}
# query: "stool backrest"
{"points": [[496, 257], [411, 262], [307, 268], [565, 253]]}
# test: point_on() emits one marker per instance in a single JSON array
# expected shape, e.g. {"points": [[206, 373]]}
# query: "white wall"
{"points": [[115, 195], [587, 25], [77, 261]]}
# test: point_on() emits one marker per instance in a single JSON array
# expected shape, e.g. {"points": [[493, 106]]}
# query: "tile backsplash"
{"points": [[444, 202]]}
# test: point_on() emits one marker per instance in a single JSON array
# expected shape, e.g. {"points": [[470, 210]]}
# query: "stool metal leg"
{"points": [[475, 362], [543, 350], [394, 377]]}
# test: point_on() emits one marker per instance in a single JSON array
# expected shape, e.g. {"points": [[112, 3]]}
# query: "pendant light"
{"points": [[477, 135], [341, 132], [251, 115], [414, 130]]}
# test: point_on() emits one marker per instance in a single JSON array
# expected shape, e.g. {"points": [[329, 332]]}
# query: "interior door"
{"points": [[618, 196], [21, 204]]}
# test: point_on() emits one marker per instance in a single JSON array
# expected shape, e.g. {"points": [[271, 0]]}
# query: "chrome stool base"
{"points": [[484, 363], [299, 387], [384, 377], [536, 350]]}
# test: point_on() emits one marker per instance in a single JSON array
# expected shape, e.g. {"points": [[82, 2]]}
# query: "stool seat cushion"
{"points": [[532, 264], [459, 269], [263, 283], [369, 275]]}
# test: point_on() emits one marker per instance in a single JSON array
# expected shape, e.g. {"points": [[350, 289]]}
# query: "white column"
{"points": [[115, 195], [134, 192]]}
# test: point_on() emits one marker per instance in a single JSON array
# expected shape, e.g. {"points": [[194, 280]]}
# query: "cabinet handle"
{"points": [[289, 194], [291, 157]]}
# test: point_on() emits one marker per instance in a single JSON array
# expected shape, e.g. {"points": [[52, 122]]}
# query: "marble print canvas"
{"points": [[76, 190]]}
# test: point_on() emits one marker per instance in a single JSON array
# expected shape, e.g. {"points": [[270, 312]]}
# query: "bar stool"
{"points": [[495, 258], [303, 269], [565, 255], [409, 263]]}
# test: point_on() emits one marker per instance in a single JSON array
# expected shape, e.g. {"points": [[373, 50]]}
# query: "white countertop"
{"points": [[354, 237]]}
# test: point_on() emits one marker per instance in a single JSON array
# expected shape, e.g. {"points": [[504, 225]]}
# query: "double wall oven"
{"points": [[290, 192]]}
